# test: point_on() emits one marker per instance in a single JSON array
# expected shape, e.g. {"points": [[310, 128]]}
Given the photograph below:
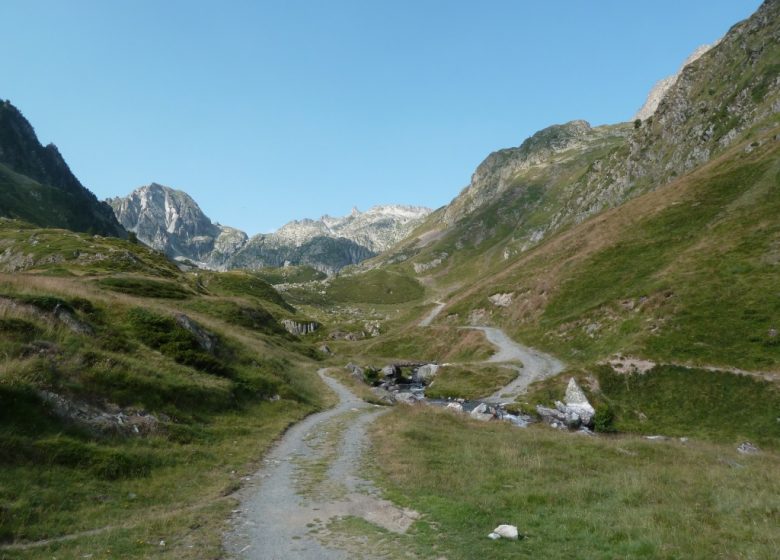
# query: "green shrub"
{"points": [[604, 420], [172, 340]]}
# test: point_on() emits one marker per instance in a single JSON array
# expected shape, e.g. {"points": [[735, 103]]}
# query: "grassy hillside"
{"points": [[375, 286], [683, 274], [133, 396]]}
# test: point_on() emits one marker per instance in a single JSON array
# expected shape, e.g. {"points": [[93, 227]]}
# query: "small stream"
{"points": [[535, 365]]}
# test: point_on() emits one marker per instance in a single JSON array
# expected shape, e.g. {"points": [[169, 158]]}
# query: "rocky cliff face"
{"points": [[37, 185], [171, 221], [662, 86]]}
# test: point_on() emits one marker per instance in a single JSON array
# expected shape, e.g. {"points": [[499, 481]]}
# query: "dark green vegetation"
{"points": [[375, 286], [241, 283], [145, 287], [573, 496], [36, 184], [676, 401], [469, 381], [130, 402], [290, 274]]}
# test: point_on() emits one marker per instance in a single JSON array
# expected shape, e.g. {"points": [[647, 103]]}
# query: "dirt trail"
{"points": [[428, 319], [311, 477], [536, 365]]}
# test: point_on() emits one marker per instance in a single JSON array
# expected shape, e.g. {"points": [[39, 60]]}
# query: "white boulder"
{"points": [[504, 532]]}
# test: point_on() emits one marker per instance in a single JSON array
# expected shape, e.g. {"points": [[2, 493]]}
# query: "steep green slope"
{"points": [[687, 273], [36, 184]]}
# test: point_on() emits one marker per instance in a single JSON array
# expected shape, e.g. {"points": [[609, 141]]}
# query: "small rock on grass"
{"points": [[747, 448], [504, 532]]}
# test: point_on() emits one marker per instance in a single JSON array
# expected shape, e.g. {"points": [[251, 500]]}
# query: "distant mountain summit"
{"points": [[36, 185], [171, 221], [377, 229]]}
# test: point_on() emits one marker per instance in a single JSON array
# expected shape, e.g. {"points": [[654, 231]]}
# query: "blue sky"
{"points": [[270, 111]]}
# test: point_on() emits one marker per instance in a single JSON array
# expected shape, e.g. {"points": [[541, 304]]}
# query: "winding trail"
{"points": [[536, 365], [310, 478], [428, 319]]}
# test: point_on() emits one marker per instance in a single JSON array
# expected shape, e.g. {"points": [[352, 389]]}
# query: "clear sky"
{"points": [[267, 111]]}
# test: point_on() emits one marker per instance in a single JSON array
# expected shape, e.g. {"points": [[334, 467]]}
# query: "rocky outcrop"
{"points": [[501, 300], [425, 374], [300, 328], [574, 413], [566, 173], [662, 86], [499, 170], [206, 340], [106, 419]]}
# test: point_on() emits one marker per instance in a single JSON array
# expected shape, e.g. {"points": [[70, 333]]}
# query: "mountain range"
{"points": [[171, 221]]}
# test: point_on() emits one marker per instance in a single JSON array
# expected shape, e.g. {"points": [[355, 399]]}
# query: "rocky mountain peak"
{"points": [[496, 173], [171, 221], [377, 229], [662, 86], [21, 151]]}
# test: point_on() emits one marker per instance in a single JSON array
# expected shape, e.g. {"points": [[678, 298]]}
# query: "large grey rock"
{"points": [[455, 407], [577, 410], [206, 340], [482, 413], [424, 374], [406, 398], [390, 370]]}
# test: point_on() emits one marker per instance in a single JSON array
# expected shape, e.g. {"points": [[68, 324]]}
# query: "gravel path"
{"points": [[536, 365], [311, 477], [428, 319]]}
